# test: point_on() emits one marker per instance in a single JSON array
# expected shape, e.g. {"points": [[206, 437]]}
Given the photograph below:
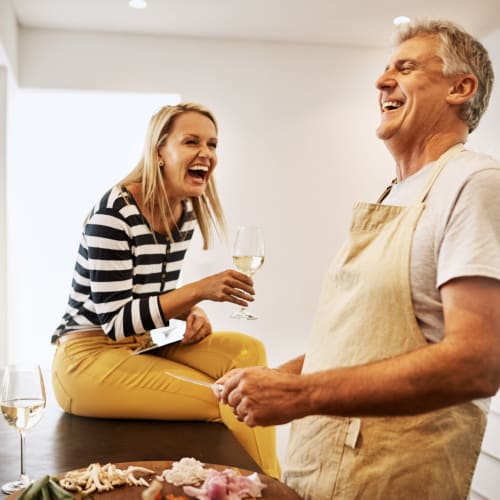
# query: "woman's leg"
{"points": [[259, 442], [98, 377], [216, 355]]}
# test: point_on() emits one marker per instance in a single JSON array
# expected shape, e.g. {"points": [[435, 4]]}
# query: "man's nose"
{"points": [[385, 80]]}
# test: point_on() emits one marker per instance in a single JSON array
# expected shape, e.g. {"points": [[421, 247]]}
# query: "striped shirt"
{"points": [[122, 268]]}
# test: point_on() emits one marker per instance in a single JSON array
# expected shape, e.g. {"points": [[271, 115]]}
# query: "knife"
{"points": [[215, 387]]}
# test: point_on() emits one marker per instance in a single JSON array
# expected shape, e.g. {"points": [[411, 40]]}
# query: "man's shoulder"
{"points": [[469, 161], [463, 166]]}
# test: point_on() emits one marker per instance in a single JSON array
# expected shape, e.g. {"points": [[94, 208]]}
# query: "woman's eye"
{"points": [[213, 145]]}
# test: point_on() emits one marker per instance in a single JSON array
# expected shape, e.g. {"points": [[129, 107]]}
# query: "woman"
{"points": [[124, 285]]}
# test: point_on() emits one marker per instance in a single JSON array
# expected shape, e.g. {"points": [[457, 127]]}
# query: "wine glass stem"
{"points": [[23, 439]]}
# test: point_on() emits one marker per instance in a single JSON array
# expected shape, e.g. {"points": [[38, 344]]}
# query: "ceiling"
{"points": [[348, 23]]}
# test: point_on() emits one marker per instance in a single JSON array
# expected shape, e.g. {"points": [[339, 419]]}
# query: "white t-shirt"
{"points": [[458, 233]]}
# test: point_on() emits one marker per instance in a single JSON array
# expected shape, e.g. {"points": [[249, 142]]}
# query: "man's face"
{"points": [[412, 92]]}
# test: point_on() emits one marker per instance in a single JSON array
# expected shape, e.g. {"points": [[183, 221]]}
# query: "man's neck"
{"points": [[410, 158]]}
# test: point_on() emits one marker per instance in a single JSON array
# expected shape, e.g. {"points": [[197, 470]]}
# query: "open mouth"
{"points": [[391, 105], [198, 172]]}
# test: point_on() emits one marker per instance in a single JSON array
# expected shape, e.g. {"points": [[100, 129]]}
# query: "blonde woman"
{"points": [[125, 284]]}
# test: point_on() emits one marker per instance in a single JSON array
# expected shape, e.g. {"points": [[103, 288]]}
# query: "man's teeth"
{"points": [[389, 105]]}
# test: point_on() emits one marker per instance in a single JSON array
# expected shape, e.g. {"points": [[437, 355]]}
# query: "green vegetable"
{"points": [[59, 492], [32, 492], [45, 493], [45, 488]]}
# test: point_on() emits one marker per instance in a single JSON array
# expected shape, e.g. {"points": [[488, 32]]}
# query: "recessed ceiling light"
{"points": [[401, 20], [138, 4]]}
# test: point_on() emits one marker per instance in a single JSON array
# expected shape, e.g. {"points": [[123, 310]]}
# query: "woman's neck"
{"points": [[154, 219]]}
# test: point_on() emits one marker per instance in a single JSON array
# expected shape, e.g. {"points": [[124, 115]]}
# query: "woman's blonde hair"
{"points": [[207, 207]]}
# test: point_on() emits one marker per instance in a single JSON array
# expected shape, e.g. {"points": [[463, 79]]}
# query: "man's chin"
{"points": [[384, 132]]}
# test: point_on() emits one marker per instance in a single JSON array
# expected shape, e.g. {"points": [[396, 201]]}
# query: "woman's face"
{"points": [[189, 156]]}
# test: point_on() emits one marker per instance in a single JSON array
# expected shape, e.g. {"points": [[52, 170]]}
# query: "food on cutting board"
{"points": [[211, 484], [195, 479], [97, 479], [187, 470]]}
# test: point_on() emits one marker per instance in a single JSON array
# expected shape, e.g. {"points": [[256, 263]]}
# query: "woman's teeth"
{"points": [[198, 170]]}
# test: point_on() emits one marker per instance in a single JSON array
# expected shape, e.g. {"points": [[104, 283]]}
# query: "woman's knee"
{"points": [[245, 349]]}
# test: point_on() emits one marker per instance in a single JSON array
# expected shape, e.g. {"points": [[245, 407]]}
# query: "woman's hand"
{"points": [[227, 286], [197, 326]]}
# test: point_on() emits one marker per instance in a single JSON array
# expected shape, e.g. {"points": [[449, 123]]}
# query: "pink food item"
{"points": [[227, 485]]}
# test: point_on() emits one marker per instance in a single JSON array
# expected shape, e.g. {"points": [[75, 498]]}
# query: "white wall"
{"points": [[296, 135], [3, 212], [8, 70], [486, 139], [292, 156]]}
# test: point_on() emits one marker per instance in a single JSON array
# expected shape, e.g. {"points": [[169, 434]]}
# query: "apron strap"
{"points": [[441, 162], [386, 192]]}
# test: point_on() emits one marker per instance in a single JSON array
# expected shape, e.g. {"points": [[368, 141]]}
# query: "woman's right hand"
{"points": [[227, 286]]}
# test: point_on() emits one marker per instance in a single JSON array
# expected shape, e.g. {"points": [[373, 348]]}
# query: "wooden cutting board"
{"points": [[274, 489]]}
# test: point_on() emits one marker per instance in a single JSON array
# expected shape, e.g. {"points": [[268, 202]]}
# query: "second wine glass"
{"points": [[22, 399], [248, 257]]}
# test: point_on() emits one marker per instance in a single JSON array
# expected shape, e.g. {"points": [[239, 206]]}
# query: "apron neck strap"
{"points": [[440, 163]]}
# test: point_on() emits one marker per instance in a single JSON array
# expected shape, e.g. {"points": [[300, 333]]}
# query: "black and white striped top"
{"points": [[121, 269]]}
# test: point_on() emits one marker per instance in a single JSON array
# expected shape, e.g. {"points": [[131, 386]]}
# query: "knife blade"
{"points": [[215, 387]]}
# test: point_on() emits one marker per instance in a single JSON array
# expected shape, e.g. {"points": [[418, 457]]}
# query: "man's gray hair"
{"points": [[461, 54]]}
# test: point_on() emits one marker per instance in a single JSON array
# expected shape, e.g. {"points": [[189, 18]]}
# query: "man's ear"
{"points": [[463, 88]]}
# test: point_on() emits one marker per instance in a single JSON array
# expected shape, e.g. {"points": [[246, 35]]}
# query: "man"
{"points": [[406, 342]]}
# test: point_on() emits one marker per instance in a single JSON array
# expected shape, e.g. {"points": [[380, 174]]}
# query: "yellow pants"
{"points": [[98, 377]]}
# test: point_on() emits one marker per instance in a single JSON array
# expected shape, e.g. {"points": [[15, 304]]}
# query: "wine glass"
{"points": [[22, 399], [248, 257]]}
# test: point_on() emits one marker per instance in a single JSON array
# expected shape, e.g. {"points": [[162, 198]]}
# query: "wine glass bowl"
{"points": [[22, 402], [248, 257]]}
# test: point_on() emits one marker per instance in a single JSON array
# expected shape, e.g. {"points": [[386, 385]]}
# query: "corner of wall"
{"points": [[8, 37]]}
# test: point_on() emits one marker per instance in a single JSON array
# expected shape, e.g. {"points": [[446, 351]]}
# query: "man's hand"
{"points": [[263, 396]]}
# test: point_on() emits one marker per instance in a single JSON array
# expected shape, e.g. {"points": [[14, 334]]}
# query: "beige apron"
{"points": [[366, 314]]}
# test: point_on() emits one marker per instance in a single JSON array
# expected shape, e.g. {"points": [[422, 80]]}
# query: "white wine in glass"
{"points": [[22, 400], [248, 257]]}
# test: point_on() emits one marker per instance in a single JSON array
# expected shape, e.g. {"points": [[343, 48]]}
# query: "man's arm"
{"points": [[464, 366]]}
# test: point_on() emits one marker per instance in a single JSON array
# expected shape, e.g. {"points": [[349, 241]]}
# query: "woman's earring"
{"points": [[161, 164]]}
